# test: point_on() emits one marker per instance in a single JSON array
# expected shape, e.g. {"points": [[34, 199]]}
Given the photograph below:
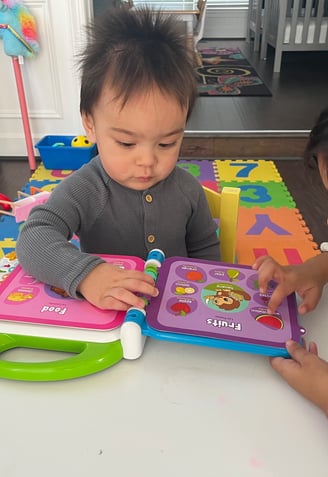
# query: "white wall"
{"points": [[50, 80]]}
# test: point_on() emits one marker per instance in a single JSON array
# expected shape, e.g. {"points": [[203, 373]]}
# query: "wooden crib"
{"points": [[255, 22], [294, 25]]}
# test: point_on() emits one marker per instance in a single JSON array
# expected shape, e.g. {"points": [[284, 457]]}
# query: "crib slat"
{"points": [[293, 24], [306, 22], [254, 22], [318, 22]]}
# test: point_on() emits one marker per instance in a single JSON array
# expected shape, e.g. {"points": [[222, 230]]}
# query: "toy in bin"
{"points": [[65, 152], [81, 141]]}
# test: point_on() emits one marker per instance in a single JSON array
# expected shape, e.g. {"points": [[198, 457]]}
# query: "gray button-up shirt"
{"points": [[109, 218]]}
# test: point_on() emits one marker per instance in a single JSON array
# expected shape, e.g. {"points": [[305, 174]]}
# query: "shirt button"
{"points": [[151, 238], [149, 198]]}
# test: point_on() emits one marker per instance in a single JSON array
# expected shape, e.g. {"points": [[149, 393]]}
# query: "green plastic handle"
{"points": [[88, 358]]}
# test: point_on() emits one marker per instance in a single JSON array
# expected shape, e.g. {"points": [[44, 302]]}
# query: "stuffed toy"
{"points": [[17, 29]]}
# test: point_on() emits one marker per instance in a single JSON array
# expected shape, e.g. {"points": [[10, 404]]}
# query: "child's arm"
{"points": [[45, 253], [307, 279], [305, 372], [110, 288]]}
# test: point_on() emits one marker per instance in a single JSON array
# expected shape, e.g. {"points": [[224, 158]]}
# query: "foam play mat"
{"points": [[269, 221]]}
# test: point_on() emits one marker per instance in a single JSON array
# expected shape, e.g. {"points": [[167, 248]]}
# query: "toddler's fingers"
{"points": [[121, 299], [278, 363], [310, 299], [277, 296], [313, 348], [111, 303], [138, 286], [268, 270], [288, 369], [297, 352], [138, 275], [258, 262], [284, 365]]}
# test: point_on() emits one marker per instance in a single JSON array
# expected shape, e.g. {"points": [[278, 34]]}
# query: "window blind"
{"points": [[217, 5], [224, 18], [211, 4]]}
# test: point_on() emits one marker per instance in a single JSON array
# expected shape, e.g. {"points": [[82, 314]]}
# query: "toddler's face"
{"points": [[138, 144]]}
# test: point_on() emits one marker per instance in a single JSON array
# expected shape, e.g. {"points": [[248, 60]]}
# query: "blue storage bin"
{"points": [[56, 152]]}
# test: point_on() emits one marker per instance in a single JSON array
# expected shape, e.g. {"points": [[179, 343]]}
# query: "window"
{"points": [[224, 18], [216, 5]]}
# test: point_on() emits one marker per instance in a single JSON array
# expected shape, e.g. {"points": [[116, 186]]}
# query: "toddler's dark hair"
{"points": [[318, 141], [133, 51]]}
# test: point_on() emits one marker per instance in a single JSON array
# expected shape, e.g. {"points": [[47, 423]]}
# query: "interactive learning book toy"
{"points": [[213, 304], [34, 315], [200, 302], [29, 307]]}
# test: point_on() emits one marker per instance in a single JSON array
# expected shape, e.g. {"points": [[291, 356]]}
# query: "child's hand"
{"points": [[111, 288], [306, 279], [305, 372]]}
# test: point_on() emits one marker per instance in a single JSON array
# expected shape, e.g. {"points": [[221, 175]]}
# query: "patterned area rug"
{"points": [[226, 72]]}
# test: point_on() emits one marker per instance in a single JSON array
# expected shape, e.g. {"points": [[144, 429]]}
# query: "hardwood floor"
{"points": [[299, 92], [272, 127], [308, 192], [14, 173]]}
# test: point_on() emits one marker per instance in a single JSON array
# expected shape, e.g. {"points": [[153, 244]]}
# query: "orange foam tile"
{"points": [[271, 223], [291, 254]]}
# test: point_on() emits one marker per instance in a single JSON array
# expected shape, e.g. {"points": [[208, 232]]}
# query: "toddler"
{"points": [[138, 88], [305, 372]]}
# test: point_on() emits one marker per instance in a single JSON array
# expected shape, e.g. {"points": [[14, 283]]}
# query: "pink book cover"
{"points": [[23, 299]]}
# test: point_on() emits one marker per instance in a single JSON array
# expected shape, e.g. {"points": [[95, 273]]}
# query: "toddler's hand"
{"points": [[111, 288], [268, 269], [305, 279], [305, 372]]}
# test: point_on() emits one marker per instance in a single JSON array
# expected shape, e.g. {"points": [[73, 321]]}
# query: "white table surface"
{"points": [[179, 410]]}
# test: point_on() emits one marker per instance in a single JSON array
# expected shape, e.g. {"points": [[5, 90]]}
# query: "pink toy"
{"points": [[28, 306], [22, 207], [5, 202], [18, 32]]}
